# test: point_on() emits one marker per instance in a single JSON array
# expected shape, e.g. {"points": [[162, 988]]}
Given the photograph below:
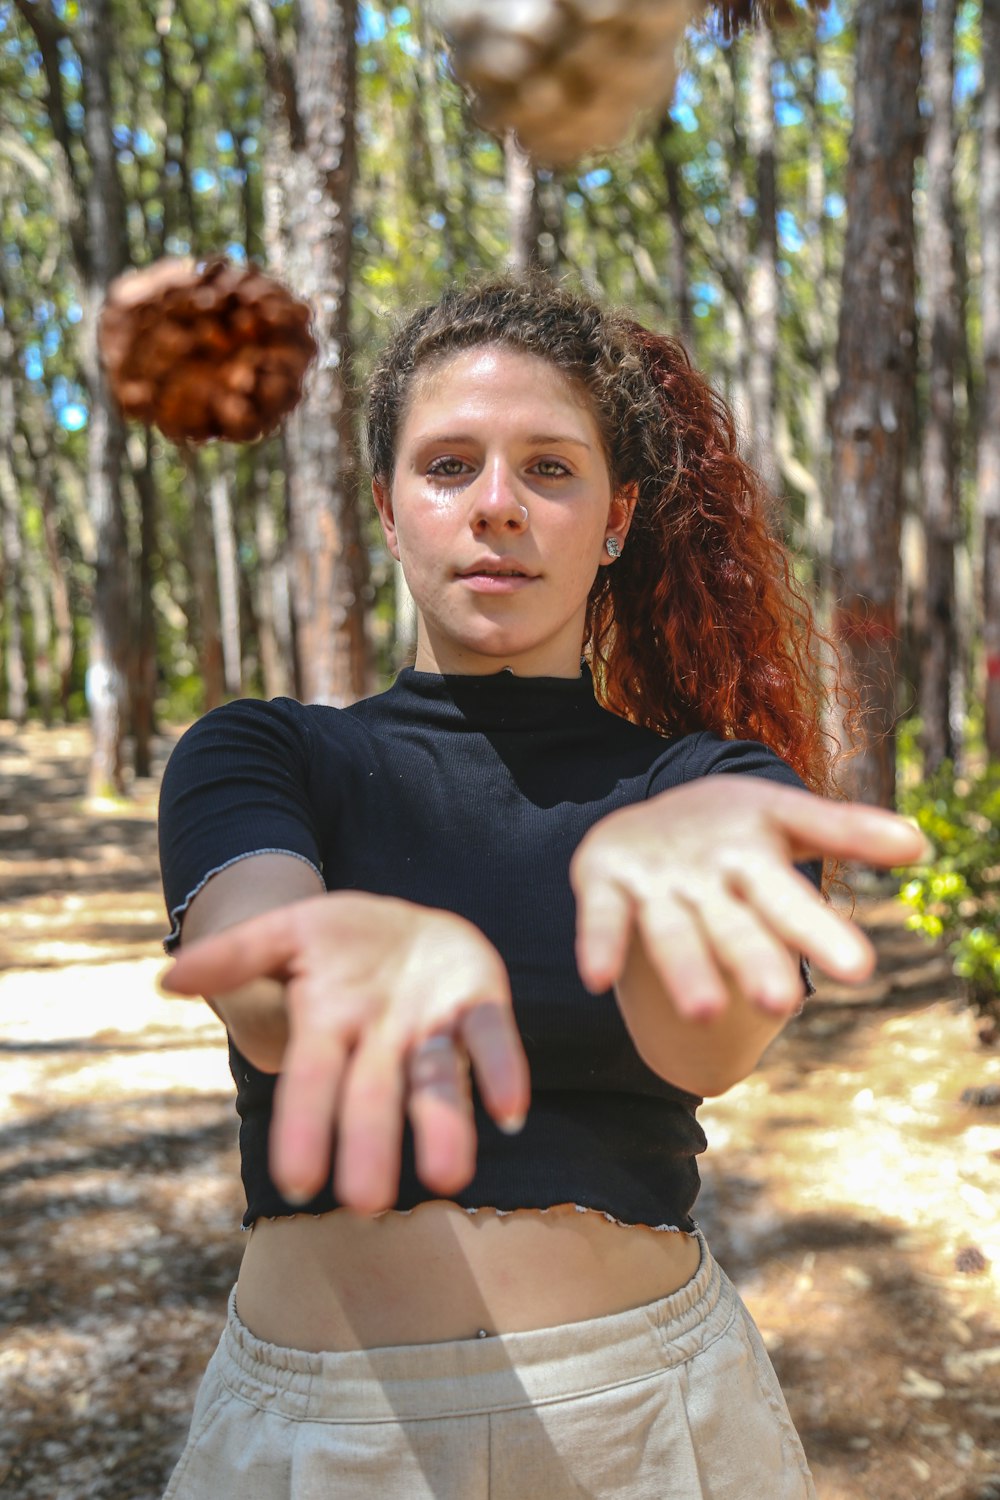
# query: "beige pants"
{"points": [[673, 1401]]}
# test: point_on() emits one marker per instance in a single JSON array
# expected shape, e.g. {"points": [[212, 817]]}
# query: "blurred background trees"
{"points": [[818, 215]]}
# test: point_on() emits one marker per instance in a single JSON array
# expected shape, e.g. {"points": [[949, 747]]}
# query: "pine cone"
{"points": [[205, 350], [571, 76], [567, 76]]}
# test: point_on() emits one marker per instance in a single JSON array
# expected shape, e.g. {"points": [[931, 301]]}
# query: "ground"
{"points": [[850, 1190]]}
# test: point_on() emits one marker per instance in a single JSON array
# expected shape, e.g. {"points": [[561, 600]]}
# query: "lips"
{"points": [[495, 570]]}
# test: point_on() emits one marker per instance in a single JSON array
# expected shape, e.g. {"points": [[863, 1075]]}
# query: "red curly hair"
{"points": [[699, 624]]}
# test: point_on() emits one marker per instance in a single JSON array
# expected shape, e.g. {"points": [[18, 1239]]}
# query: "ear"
{"points": [[620, 513], [382, 495]]}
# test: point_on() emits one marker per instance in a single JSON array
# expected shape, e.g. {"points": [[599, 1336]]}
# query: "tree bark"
{"points": [[680, 280], [762, 287], [316, 146], [988, 464], [524, 216], [11, 543], [142, 693], [939, 648], [224, 536], [871, 412], [201, 566], [107, 673]]}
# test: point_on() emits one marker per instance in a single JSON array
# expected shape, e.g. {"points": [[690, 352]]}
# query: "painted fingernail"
{"points": [[296, 1196], [512, 1124]]}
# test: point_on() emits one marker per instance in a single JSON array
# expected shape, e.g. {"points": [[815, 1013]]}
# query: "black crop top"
{"points": [[470, 794]]}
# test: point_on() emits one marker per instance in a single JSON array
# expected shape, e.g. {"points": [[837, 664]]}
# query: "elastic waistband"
{"points": [[470, 1376]]}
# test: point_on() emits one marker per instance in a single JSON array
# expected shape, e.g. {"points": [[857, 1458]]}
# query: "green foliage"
{"points": [[957, 897]]}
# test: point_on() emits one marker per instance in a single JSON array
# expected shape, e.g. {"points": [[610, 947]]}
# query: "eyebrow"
{"points": [[556, 439]]}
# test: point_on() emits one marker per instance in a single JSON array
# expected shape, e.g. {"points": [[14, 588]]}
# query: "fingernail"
{"points": [[512, 1124], [296, 1196]]}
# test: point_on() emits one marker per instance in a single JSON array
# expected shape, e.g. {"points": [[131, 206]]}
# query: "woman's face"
{"points": [[498, 510]]}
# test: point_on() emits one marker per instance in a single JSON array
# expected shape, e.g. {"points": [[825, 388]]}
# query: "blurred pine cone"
{"points": [[205, 350], [571, 76], [567, 76]]}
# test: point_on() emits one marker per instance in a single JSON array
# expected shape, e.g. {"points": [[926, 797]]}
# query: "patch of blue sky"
{"points": [[399, 15], [829, 88], [830, 22], [786, 113], [704, 291], [69, 67], [834, 206], [51, 339], [789, 233], [121, 134], [74, 313], [712, 214], [34, 364], [968, 78], [74, 114], [202, 180], [371, 24], [143, 143], [72, 415], [686, 90], [747, 207], [685, 117], [599, 177], [224, 140], [436, 220], [236, 251]]}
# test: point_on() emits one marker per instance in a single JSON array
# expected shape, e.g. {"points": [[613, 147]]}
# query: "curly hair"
{"points": [[700, 623]]}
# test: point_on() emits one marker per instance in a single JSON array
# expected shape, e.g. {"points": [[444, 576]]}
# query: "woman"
{"points": [[529, 869]]}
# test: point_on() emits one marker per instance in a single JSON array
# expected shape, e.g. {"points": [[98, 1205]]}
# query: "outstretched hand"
{"points": [[704, 875], [387, 1003]]}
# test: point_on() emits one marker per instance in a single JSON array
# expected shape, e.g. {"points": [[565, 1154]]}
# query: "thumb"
{"points": [[819, 827], [261, 946]]}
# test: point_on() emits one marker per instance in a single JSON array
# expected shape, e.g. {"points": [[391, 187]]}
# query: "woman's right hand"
{"points": [[383, 1001]]}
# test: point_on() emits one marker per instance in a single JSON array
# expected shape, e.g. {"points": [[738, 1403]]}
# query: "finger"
{"points": [[759, 962], [820, 828], [793, 908], [305, 1109], [604, 914], [370, 1126], [213, 965], [440, 1110], [494, 1045], [677, 950]]}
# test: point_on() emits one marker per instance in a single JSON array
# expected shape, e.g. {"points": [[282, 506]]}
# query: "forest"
{"points": [[816, 212]]}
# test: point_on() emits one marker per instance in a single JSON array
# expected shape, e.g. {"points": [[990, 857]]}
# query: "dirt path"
{"points": [[848, 1189]]}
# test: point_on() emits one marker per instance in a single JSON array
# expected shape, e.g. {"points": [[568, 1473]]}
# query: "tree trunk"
{"points": [[939, 648], [871, 412], [989, 437], [317, 150], [524, 217], [762, 288], [229, 583], [143, 676], [680, 280], [206, 588], [61, 608], [11, 546], [107, 674]]}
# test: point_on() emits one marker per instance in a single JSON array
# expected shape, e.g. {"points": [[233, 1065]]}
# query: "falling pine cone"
{"points": [[205, 350], [567, 76], [572, 76]]}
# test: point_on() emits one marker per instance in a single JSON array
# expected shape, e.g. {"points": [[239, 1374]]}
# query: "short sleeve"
{"points": [[236, 784]]}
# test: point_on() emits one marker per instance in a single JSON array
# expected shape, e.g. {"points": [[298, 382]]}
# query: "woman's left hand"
{"points": [[704, 875]]}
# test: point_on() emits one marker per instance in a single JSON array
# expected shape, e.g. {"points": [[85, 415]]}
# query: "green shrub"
{"points": [[957, 897]]}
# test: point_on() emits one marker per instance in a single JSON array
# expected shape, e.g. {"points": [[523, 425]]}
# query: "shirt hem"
{"points": [[176, 913]]}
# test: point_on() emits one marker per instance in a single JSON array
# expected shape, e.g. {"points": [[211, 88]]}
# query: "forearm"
{"points": [[704, 1057], [256, 1018]]}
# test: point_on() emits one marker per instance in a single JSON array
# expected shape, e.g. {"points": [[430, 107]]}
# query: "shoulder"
{"points": [[704, 753]]}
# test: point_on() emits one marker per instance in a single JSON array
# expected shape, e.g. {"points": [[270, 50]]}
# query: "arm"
{"points": [[690, 905]]}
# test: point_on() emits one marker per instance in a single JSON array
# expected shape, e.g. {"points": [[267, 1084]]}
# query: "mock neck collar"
{"points": [[495, 700]]}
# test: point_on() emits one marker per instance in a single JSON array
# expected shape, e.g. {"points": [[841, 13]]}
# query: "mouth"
{"points": [[496, 570]]}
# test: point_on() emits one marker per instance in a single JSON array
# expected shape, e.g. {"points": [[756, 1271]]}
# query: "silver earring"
{"points": [[613, 546]]}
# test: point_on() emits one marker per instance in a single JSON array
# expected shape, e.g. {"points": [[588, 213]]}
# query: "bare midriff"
{"points": [[341, 1281]]}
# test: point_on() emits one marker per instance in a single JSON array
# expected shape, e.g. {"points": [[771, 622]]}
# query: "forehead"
{"points": [[493, 383]]}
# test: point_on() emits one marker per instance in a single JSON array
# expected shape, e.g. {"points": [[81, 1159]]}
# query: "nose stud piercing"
{"points": [[613, 546], [524, 514]]}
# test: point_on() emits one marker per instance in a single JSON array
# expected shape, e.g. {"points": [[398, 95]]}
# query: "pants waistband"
{"points": [[469, 1376]]}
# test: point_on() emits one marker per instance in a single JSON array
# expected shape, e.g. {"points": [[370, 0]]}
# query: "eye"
{"points": [[447, 468], [551, 468]]}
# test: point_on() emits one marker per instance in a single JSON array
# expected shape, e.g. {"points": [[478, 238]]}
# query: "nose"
{"points": [[495, 502]]}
